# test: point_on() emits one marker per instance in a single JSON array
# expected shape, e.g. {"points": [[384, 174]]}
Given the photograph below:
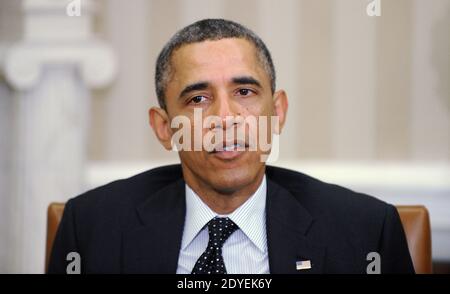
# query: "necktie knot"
{"points": [[219, 229], [211, 261]]}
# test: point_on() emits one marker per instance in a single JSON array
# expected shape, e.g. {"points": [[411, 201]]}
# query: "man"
{"points": [[223, 210]]}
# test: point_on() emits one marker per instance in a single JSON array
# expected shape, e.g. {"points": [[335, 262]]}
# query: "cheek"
{"points": [[260, 107], [262, 131], [193, 159]]}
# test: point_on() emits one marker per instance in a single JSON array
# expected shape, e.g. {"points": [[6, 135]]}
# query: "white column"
{"points": [[51, 72]]}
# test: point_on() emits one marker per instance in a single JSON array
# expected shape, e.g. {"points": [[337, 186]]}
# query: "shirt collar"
{"points": [[250, 217]]}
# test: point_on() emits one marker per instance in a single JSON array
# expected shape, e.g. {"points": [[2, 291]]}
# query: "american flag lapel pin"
{"points": [[303, 265]]}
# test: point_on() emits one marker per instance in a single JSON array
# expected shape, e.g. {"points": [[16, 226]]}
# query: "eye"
{"points": [[245, 92], [198, 99]]}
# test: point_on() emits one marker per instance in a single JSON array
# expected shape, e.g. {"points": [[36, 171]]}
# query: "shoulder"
{"points": [[349, 224], [126, 193], [325, 199]]}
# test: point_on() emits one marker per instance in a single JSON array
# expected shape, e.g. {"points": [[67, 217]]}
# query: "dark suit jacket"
{"points": [[136, 225]]}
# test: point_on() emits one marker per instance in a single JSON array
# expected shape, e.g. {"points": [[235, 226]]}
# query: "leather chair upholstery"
{"points": [[416, 223], [54, 215]]}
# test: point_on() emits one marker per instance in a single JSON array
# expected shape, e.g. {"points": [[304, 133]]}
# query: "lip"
{"points": [[227, 155], [232, 152]]}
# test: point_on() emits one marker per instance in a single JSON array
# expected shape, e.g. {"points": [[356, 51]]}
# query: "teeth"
{"points": [[232, 147]]}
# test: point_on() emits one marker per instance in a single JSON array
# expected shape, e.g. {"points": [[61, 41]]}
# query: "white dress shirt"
{"points": [[245, 251]]}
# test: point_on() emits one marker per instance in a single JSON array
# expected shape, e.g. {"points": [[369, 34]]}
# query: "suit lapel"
{"points": [[288, 223], [154, 247]]}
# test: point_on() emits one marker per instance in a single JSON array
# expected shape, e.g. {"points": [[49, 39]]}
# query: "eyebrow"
{"points": [[246, 80], [194, 87]]}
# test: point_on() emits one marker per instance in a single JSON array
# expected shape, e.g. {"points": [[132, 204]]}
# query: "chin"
{"points": [[224, 176], [230, 180]]}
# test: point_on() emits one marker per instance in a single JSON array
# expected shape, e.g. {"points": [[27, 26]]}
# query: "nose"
{"points": [[226, 109]]}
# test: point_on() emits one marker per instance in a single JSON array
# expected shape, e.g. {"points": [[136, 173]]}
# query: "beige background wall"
{"points": [[360, 88]]}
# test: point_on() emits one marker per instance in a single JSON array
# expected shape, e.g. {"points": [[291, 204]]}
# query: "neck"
{"points": [[219, 200]]}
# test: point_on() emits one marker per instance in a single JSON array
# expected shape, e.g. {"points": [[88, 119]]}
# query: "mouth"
{"points": [[229, 151]]}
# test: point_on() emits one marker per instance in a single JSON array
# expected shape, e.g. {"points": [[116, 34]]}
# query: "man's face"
{"points": [[222, 78]]}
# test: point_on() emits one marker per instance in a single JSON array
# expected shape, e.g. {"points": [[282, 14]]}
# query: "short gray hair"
{"points": [[208, 30]]}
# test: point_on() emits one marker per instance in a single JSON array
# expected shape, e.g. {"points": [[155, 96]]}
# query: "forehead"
{"points": [[220, 59]]}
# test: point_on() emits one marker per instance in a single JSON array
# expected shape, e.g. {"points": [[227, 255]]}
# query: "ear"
{"points": [[280, 103], [160, 123]]}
